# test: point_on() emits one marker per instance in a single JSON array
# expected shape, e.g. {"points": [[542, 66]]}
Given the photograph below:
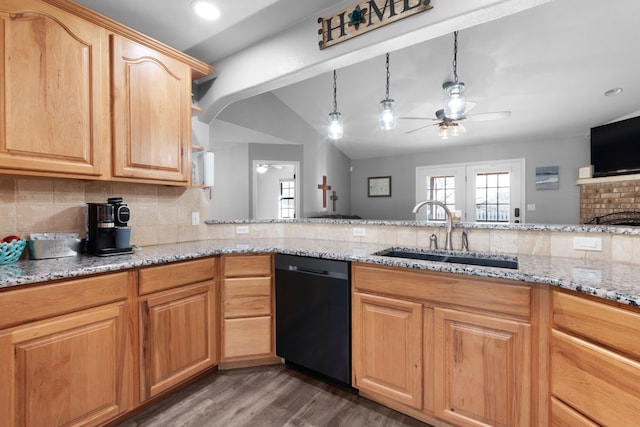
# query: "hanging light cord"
{"points": [[335, 100], [388, 77], [455, 56]]}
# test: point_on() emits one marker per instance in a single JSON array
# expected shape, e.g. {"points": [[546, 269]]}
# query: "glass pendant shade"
{"points": [[443, 132], [455, 100], [387, 118], [261, 169], [335, 125], [454, 129]]}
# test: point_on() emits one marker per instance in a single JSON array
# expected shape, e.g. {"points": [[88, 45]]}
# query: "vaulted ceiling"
{"points": [[549, 65]]}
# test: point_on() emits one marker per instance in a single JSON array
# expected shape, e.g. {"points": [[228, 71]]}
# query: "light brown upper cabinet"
{"points": [[151, 95], [54, 102], [66, 112]]}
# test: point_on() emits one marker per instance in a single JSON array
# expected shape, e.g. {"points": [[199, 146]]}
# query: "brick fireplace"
{"points": [[603, 198]]}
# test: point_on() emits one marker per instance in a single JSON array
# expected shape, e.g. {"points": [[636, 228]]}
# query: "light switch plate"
{"points": [[587, 243], [359, 232]]}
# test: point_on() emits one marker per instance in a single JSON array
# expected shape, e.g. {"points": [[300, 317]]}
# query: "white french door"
{"points": [[491, 192]]}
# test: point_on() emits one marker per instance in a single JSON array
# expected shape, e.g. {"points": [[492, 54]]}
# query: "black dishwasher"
{"points": [[313, 315]]}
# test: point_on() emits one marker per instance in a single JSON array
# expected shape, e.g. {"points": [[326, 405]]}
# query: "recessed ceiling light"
{"points": [[613, 92], [205, 9]]}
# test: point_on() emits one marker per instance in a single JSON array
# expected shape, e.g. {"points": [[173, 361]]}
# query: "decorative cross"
{"points": [[333, 198], [324, 187]]}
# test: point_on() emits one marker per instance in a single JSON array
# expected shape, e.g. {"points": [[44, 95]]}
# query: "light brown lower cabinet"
{"points": [[482, 369], [387, 347], [247, 308], [62, 363], [595, 362], [178, 324], [418, 348]]}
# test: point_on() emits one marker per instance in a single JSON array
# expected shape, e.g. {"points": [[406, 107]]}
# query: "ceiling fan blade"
{"points": [[480, 117], [469, 106], [420, 128], [417, 118]]}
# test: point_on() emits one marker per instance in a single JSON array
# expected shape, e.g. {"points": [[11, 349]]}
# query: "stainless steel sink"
{"points": [[470, 258]]}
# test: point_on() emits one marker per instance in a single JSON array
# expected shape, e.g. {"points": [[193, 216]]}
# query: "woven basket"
{"points": [[10, 252]]}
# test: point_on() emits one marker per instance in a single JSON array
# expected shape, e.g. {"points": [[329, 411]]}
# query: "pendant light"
{"points": [[455, 101], [387, 118], [335, 118]]}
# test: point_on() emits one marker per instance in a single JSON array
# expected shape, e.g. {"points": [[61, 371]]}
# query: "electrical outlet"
{"points": [[242, 229], [359, 232], [587, 243], [195, 218]]}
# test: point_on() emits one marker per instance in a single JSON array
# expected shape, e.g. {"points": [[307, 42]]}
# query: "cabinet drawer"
{"points": [[39, 302], [247, 338], [614, 327], [247, 265], [247, 297], [445, 288], [153, 279], [599, 383], [564, 416]]}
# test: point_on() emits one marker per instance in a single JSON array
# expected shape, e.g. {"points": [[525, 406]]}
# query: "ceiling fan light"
{"points": [[261, 168], [443, 131], [387, 118], [455, 100], [454, 129], [336, 128]]}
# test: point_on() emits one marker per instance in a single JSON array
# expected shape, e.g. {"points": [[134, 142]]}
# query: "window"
{"points": [[287, 201], [442, 189], [492, 197], [481, 192]]}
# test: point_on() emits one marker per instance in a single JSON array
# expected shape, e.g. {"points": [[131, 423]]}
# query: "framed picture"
{"points": [[547, 178], [379, 186]]}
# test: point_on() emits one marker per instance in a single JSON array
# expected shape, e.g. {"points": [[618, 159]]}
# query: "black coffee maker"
{"points": [[107, 230]]}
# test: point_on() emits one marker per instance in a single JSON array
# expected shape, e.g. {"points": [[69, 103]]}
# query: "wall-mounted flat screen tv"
{"points": [[615, 148]]}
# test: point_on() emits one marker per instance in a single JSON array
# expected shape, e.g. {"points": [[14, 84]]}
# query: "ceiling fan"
{"points": [[264, 167], [456, 106], [449, 126]]}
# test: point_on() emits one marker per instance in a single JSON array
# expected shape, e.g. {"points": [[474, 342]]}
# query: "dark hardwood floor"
{"points": [[267, 396]]}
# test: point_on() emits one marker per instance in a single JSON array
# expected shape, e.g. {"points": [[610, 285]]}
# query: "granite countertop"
{"points": [[612, 281]]}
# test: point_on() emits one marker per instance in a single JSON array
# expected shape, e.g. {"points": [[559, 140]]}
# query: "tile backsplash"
{"points": [[159, 214]]}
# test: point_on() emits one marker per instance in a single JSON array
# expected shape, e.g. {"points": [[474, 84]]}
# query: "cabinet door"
{"points": [[151, 95], [68, 370], [178, 334], [482, 369], [54, 101], [387, 348]]}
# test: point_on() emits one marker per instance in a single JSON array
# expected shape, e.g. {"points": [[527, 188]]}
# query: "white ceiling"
{"points": [[549, 66]]}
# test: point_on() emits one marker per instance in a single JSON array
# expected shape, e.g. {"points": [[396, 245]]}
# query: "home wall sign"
{"points": [[364, 17]]}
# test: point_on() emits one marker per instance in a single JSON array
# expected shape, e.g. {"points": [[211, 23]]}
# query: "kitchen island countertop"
{"points": [[613, 281]]}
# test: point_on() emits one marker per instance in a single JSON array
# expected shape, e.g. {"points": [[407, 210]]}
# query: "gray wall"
{"points": [[230, 192], [552, 206], [266, 114]]}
